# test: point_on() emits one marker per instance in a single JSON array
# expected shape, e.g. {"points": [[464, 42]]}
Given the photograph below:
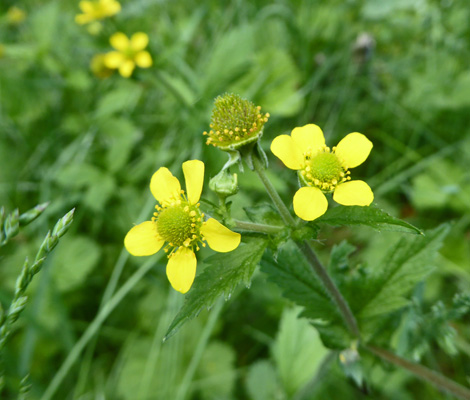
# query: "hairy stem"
{"points": [[338, 298], [308, 251], [281, 207], [426, 374]]}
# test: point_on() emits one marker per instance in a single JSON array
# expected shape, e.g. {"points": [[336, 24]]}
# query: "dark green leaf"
{"points": [[291, 272], [264, 214], [406, 263], [369, 216], [222, 275]]}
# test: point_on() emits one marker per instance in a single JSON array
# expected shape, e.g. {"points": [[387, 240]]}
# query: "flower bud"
{"points": [[224, 184], [235, 122]]}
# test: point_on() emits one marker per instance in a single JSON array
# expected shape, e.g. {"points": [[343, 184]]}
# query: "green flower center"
{"points": [[323, 170], [179, 224]]}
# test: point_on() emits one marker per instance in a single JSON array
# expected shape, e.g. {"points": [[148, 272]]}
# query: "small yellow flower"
{"points": [[96, 10], [130, 52], [15, 15], [179, 222], [99, 69], [322, 170]]}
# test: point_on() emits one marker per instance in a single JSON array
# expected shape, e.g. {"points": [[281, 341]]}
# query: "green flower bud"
{"points": [[224, 184], [235, 122]]}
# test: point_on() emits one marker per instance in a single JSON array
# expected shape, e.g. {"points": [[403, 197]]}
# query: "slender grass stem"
{"points": [[308, 252], [259, 228], [434, 378], [94, 327], [183, 389]]}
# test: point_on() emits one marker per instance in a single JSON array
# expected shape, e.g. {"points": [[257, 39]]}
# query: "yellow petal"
{"points": [[126, 68], [181, 269], [353, 193], [114, 59], [111, 6], [194, 177], [83, 19], [284, 148], [353, 149], [143, 239], [308, 137], [119, 41], [310, 203], [220, 238], [86, 6], [143, 59], [164, 186], [139, 41]]}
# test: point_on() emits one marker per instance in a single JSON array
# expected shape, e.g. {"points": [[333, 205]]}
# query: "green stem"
{"points": [[434, 378], [94, 327], [281, 207], [336, 295], [259, 228], [308, 251]]}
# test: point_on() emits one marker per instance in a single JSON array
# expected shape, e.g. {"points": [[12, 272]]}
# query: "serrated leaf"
{"points": [[369, 216], [406, 263], [291, 272], [339, 256], [224, 272], [264, 214]]}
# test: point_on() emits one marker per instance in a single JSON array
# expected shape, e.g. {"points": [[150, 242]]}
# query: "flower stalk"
{"points": [[308, 252], [434, 378]]}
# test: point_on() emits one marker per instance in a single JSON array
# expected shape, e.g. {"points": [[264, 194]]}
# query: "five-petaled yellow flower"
{"points": [[179, 222], [130, 52], [322, 170], [97, 10]]}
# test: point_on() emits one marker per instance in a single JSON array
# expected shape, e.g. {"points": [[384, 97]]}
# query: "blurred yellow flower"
{"points": [[15, 15], [322, 170], [130, 52], [99, 68], [179, 222], [96, 10]]}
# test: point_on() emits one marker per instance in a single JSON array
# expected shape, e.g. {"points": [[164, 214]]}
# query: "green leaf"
{"points": [[222, 275], [406, 263], [369, 216], [124, 98], [262, 381], [74, 259], [264, 214], [291, 272], [298, 351], [339, 256]]}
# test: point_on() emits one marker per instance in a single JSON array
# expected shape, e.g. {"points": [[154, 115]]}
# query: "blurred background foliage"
{"points": [[396, 70]]}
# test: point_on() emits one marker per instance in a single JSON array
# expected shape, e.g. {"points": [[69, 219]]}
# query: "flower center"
{"points": [[323, 169], [180, 224]]}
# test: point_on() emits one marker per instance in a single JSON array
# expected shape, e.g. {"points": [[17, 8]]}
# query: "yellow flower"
{"points": [[96, 10], [179, 222], [322, 170], [15, 15], [129, 53], [98, 67]]}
